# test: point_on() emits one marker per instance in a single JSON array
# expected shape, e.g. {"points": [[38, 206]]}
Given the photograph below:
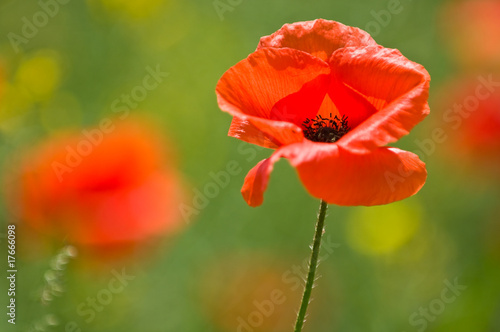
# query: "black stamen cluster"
{"points": [[326, 130]]}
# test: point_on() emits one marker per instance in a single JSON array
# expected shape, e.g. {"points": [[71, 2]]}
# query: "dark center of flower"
{"points": [[326, 130]]}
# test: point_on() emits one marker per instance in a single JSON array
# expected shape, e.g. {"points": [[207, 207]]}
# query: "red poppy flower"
{"points": [[329, 99], [103, 188]]}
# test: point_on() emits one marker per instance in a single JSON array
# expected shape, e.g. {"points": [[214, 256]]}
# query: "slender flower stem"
{"points": [[313, 263]]}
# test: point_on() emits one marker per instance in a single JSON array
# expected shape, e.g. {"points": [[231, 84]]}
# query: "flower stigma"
{"points": [[326, 130]]}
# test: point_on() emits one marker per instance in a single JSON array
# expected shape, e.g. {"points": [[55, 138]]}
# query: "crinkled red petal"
{"points": [[319, 37], [341, 177]]}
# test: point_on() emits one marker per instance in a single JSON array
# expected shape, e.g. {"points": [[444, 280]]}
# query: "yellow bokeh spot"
{"points": [[40, 75], [14, 101], [383, 229], [2, 81], [134, 9]]}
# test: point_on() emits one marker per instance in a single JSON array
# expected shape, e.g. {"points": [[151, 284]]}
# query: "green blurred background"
{"points": [[387, 263]]}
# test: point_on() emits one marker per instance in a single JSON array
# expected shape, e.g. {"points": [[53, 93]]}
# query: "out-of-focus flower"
{"points": [[256, 294], [383, 229], [472, 29], [102, 187], [472, 117], [329, 99]]}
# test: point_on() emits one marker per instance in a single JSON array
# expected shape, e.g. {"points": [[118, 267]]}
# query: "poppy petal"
{"points": [[395, 86], [255, 183], [328, 109], [340, 177], [263, 132], [244, 130], [252, 88], [319, 37], [350, 103], [293, 109]]}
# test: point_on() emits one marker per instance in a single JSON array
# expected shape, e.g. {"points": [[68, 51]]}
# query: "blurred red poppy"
{"points": [[473, 125], [329, 99], [101, 188], [472, 29]]}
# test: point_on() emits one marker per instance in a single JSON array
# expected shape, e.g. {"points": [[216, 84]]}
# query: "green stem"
{"points": [[313, 263]]}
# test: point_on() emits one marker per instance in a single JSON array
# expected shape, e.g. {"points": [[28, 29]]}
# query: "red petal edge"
{"points": [[397, 87], [320, 37], [340, 177], [251, 89]]}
